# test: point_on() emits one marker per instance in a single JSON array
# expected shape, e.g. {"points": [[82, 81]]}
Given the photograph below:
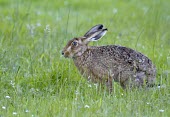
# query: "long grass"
{"points": [[35, 80]]}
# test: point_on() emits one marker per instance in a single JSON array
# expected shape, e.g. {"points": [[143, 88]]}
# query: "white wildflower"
{"points": [[147, 103], [47, 28], [8, 97], [31, 29], [3, 107], [115, 11], [159, 87], [161, 110], [96, 85], [76, 92], [38, 24], [27, 111], [12, 83], [14, 113], [89, 85], [86, 106]]}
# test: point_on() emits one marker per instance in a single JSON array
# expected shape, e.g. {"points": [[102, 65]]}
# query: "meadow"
{"points": [[36, 81]]}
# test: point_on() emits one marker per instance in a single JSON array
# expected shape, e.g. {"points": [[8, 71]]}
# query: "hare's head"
{"points": [[77, 46]]}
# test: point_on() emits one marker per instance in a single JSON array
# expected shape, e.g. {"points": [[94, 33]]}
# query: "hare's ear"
{"points": [[93, 29], [95, 36]]}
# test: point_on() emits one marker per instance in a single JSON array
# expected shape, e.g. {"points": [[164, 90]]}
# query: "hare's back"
{"points": [[122, 56]]}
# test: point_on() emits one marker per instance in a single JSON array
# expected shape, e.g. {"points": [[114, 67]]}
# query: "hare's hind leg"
{"points": [[151, 77], [150, 81], [132, 80]]}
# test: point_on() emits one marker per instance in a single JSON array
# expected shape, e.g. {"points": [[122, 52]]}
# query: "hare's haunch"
{"points": [[103, 64]]}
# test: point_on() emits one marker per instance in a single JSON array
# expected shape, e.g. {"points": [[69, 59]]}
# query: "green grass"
{"points": [[42, 83]]}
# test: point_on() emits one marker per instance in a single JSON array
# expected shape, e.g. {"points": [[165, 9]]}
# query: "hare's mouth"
{"points": [[66, 55]]}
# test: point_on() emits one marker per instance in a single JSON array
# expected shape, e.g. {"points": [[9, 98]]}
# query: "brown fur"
{"points": [[103, 64]]}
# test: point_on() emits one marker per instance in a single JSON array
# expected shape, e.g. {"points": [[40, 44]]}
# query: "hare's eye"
{"points": [[74, 43]]}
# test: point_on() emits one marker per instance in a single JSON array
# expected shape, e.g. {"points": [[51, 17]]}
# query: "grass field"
{"points": [[36, 81]]}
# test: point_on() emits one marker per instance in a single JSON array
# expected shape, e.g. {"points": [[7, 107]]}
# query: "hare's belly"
{"points": [[118, 72]]}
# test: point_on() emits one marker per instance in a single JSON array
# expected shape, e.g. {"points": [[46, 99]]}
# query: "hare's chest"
{"points": [[82, 65]]}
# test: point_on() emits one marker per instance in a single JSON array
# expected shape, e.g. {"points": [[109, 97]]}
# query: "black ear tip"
{"points": [[100, 26], [105, 29]]}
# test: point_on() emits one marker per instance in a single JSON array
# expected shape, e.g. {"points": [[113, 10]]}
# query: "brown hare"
{"points": [[104, 64]]}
